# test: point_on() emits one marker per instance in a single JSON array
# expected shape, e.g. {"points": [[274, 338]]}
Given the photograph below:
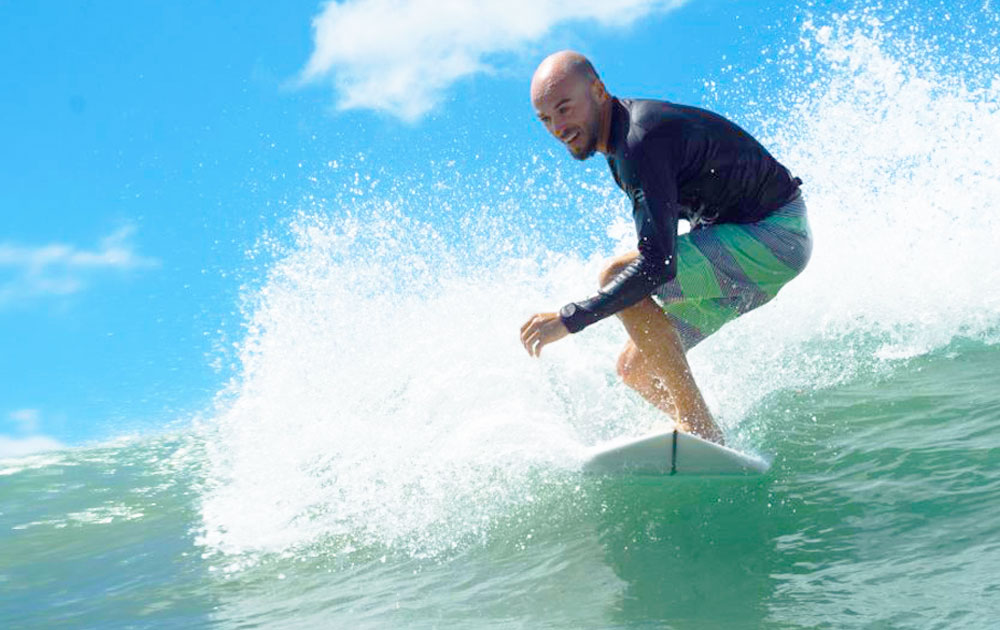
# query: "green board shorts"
{"points": [[729, 269]]}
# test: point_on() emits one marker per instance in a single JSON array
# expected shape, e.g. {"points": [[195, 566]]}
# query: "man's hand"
{"points": [[542, 329]]}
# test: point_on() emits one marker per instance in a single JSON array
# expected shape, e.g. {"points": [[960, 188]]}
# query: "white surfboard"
{"points": [[671, 452]]}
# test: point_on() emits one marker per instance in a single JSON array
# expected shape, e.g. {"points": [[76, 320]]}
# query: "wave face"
{"points": [[384, 399]]}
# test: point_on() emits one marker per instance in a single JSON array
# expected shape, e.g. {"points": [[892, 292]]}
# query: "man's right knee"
{"points": [[630, 366]]}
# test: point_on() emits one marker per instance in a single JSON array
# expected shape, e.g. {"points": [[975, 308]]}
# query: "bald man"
{"points": [[749, 235]]}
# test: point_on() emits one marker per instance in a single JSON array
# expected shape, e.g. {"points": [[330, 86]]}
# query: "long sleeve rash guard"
{"points": [[676, 161]]}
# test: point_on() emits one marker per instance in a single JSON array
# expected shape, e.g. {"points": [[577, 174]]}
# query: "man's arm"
{"points": [[654, 209]]}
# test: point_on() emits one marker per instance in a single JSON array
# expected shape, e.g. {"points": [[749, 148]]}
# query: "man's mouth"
{"points": [[571, 137]]}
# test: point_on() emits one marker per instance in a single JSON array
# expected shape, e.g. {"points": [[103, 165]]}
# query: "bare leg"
{"points": [[654, 364]]}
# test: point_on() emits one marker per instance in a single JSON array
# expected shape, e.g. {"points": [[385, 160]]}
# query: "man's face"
{"points": [[570, 112]]}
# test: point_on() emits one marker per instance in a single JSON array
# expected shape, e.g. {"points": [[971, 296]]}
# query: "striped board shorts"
{"points": [[729, 269]]}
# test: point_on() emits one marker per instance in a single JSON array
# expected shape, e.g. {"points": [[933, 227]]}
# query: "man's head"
{"points": [[568, 97]]}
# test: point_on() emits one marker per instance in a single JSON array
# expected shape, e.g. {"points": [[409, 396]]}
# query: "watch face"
{"points": [[568, 310]]}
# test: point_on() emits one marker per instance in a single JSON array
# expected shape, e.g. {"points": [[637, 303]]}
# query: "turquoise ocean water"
{"points": [[427, 476]]}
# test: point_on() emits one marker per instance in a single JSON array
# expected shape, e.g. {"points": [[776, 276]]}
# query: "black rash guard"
{"points": [[677, 161]]}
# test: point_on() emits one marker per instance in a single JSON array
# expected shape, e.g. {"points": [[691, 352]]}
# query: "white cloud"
{"points": [[59, 269], [19, 447], [30, 442], [27, 419], [398, 56]]}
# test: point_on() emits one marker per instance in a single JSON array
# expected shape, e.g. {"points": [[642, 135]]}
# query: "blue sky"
{"points": [[148, 145]]}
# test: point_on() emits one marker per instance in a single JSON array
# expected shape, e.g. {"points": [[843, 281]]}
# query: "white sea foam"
{"points": [[385, 412], [900, 161], [384, 399]]}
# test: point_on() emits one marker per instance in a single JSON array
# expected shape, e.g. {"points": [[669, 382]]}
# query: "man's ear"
{"points": [[598, 91]]}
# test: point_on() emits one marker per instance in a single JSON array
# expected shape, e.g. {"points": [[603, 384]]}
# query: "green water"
{"points": [[882, 510]]}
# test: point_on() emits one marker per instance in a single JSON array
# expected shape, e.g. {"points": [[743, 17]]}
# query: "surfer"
{"points": [[749, 235]]}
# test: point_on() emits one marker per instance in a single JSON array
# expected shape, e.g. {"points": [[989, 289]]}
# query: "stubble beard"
{"points": [[593, 130], [586, 153]]}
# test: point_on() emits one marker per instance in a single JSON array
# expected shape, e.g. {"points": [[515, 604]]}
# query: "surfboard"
{"points": [[670, 452]]}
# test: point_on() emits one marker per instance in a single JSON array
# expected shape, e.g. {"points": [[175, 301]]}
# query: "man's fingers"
{"points": [[535, 344], [527, 323], [527, 330], [537, 348], [531, 341], [534, 333], [526, 334]]}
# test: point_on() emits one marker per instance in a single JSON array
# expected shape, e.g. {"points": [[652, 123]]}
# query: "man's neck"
{"points": [[604, 133]]}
